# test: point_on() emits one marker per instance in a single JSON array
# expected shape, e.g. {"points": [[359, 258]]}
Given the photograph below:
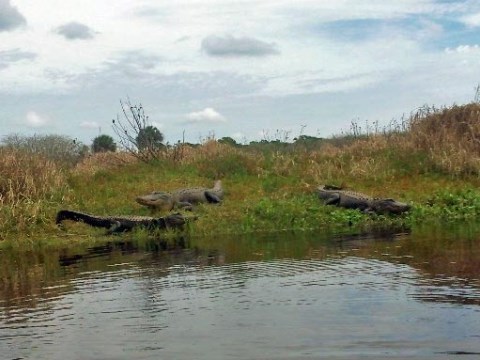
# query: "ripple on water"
{"points": [[290, 308]]}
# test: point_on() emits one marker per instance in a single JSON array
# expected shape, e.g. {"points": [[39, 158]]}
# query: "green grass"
{"points": [[252, 204]]}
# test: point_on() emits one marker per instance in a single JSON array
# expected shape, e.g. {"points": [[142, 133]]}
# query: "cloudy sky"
{"points": [[244, 69]]}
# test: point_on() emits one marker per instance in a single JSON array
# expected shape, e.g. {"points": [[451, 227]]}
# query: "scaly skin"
{"points": [[355, 200], [120, 223], [182, 198]]}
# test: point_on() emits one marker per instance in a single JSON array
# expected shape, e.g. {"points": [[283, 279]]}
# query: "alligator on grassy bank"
{"points": [[123, 223], [182, 198], [334, 195]]}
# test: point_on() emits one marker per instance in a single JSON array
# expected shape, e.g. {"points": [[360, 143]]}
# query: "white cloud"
{"points": [[10, 17], [75, 30], [237, 46], [89, 125], [472, 20], [463, 49], [35, 120], [9, 57], [206, 115]]}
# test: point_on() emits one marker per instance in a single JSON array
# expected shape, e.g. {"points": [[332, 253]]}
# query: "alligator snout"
{"points": [[157, 200], [390, 206]]}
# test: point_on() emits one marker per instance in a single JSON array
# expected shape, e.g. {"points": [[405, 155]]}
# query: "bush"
{"points": [[60, 149], [103, 143]]}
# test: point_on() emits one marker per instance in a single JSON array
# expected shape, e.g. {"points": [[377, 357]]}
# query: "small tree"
{"points": [[149, 137], [228, 141], [103, 143], [135, 133]]}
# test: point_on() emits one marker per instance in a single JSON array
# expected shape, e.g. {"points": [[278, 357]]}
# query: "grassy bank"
{"points": [[431, 161]]}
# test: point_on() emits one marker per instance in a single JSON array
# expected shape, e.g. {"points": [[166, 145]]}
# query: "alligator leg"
{"points": [[185, 205], [212, 198], [333, 199], [115, 228]]}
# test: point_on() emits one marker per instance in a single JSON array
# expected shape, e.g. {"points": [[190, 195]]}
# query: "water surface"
{"points": [[302, 296]]}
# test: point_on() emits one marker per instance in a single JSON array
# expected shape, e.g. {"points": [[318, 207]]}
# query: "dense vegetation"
{"points": [[431, 160]]}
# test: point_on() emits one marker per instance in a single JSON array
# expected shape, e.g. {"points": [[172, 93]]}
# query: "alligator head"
{"points": [[177, 220], [158, 200], [389, 206]]}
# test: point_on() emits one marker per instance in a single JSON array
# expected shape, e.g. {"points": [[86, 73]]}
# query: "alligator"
{"points": [[182, 198], [123, 223], [334, 195]]}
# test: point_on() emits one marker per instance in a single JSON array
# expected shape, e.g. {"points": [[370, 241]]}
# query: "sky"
{"points": [[249, 70]]}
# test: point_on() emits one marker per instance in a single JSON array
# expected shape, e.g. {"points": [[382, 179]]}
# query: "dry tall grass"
{"points": [[27, 181], [216, 160], [450, 136], [27, 176], [443, 140], [104, 161]]}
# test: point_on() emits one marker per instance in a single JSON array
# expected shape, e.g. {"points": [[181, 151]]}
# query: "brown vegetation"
{"points": [[445, 140], [27, 176], [108, 160], [27, 182], [450, 137], [434, 140]]}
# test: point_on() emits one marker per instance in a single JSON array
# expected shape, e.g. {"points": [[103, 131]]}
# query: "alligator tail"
{"points": [[79, 216], [217, 185]]}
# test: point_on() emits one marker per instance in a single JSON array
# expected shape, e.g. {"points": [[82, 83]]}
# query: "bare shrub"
{"points": [[136, 134]]}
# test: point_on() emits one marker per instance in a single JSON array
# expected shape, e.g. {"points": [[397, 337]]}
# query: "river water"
{"points": [[285, 296]]}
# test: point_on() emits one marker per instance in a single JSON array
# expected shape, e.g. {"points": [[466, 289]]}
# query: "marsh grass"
{"points": [[102, 161], [431, 160], [28, 183], [450, 137], [444, 140]]}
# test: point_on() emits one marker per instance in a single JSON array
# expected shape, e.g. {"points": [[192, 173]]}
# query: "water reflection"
{"points": [[282, 296]]}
